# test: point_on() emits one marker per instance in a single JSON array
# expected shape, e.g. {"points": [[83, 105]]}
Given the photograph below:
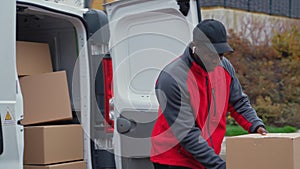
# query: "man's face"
{"points": [[210, 59]]}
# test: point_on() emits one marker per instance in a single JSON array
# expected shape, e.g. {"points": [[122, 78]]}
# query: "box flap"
{"points": [[269, 135]]}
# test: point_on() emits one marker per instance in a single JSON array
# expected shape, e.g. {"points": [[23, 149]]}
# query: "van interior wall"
{"points": [[59, 34]]}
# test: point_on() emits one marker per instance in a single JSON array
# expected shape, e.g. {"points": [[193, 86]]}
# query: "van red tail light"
{"points": [[108, 92]]}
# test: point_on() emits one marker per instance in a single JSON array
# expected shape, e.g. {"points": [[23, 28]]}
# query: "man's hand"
{"points": [[262, 131]]}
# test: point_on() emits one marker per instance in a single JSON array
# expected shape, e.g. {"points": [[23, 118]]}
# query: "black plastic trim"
{"points": [[184, 6], [102, 159], [123, 125], [96, 20], [1, 138], [199, 10]]}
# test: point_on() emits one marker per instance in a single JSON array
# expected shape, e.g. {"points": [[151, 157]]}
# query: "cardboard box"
{"points": [[273, 151], [53, 144], [70, 165], [33, 58], [46, 98]]}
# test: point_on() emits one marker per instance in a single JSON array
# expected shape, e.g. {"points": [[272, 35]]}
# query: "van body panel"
{"points": [[11, 134]]}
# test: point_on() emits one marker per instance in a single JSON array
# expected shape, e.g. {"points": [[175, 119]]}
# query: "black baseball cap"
{"points": [[212, 31]]}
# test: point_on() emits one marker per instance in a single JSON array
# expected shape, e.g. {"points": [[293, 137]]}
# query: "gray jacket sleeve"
{"points": [[239, 104]]}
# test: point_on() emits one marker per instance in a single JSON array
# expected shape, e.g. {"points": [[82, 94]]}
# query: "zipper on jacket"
{"points": [[208, 113], [214, 101]]}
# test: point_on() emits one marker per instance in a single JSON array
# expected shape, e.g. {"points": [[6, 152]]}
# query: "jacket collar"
{"points": [[191, 59]]}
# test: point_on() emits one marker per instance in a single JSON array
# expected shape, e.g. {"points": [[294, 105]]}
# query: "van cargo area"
{"points": [[58, 33], [66, 34]]}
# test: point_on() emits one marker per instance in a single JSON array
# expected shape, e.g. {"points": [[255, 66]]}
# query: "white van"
{"points": [[143, 36]]}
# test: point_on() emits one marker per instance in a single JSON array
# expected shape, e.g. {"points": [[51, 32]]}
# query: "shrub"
{"points": [[270, 75]]}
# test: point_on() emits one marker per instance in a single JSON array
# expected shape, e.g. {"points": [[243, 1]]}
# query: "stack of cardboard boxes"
{"points": [[46, 101]]}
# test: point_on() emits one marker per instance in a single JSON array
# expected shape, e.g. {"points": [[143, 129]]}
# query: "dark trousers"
{"points": [[161, 166]]}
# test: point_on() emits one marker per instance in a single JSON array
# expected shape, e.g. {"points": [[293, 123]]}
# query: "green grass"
{"points": [[232, 130], [285, 129]]}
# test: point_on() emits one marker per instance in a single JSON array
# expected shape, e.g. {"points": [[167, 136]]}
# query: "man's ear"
{"points": [[193, 49]]}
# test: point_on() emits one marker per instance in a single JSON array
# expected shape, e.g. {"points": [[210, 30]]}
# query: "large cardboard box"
{"points": [[70, 165], [33, 58], [46, 98], [273, 151], [53, 144]]}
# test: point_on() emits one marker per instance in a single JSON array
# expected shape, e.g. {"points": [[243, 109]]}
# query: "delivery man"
{"points": [[195, 92]]}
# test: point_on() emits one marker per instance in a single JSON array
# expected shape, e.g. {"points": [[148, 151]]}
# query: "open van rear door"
{"points": [[145, 36], [64, 26], [11, 134]]}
